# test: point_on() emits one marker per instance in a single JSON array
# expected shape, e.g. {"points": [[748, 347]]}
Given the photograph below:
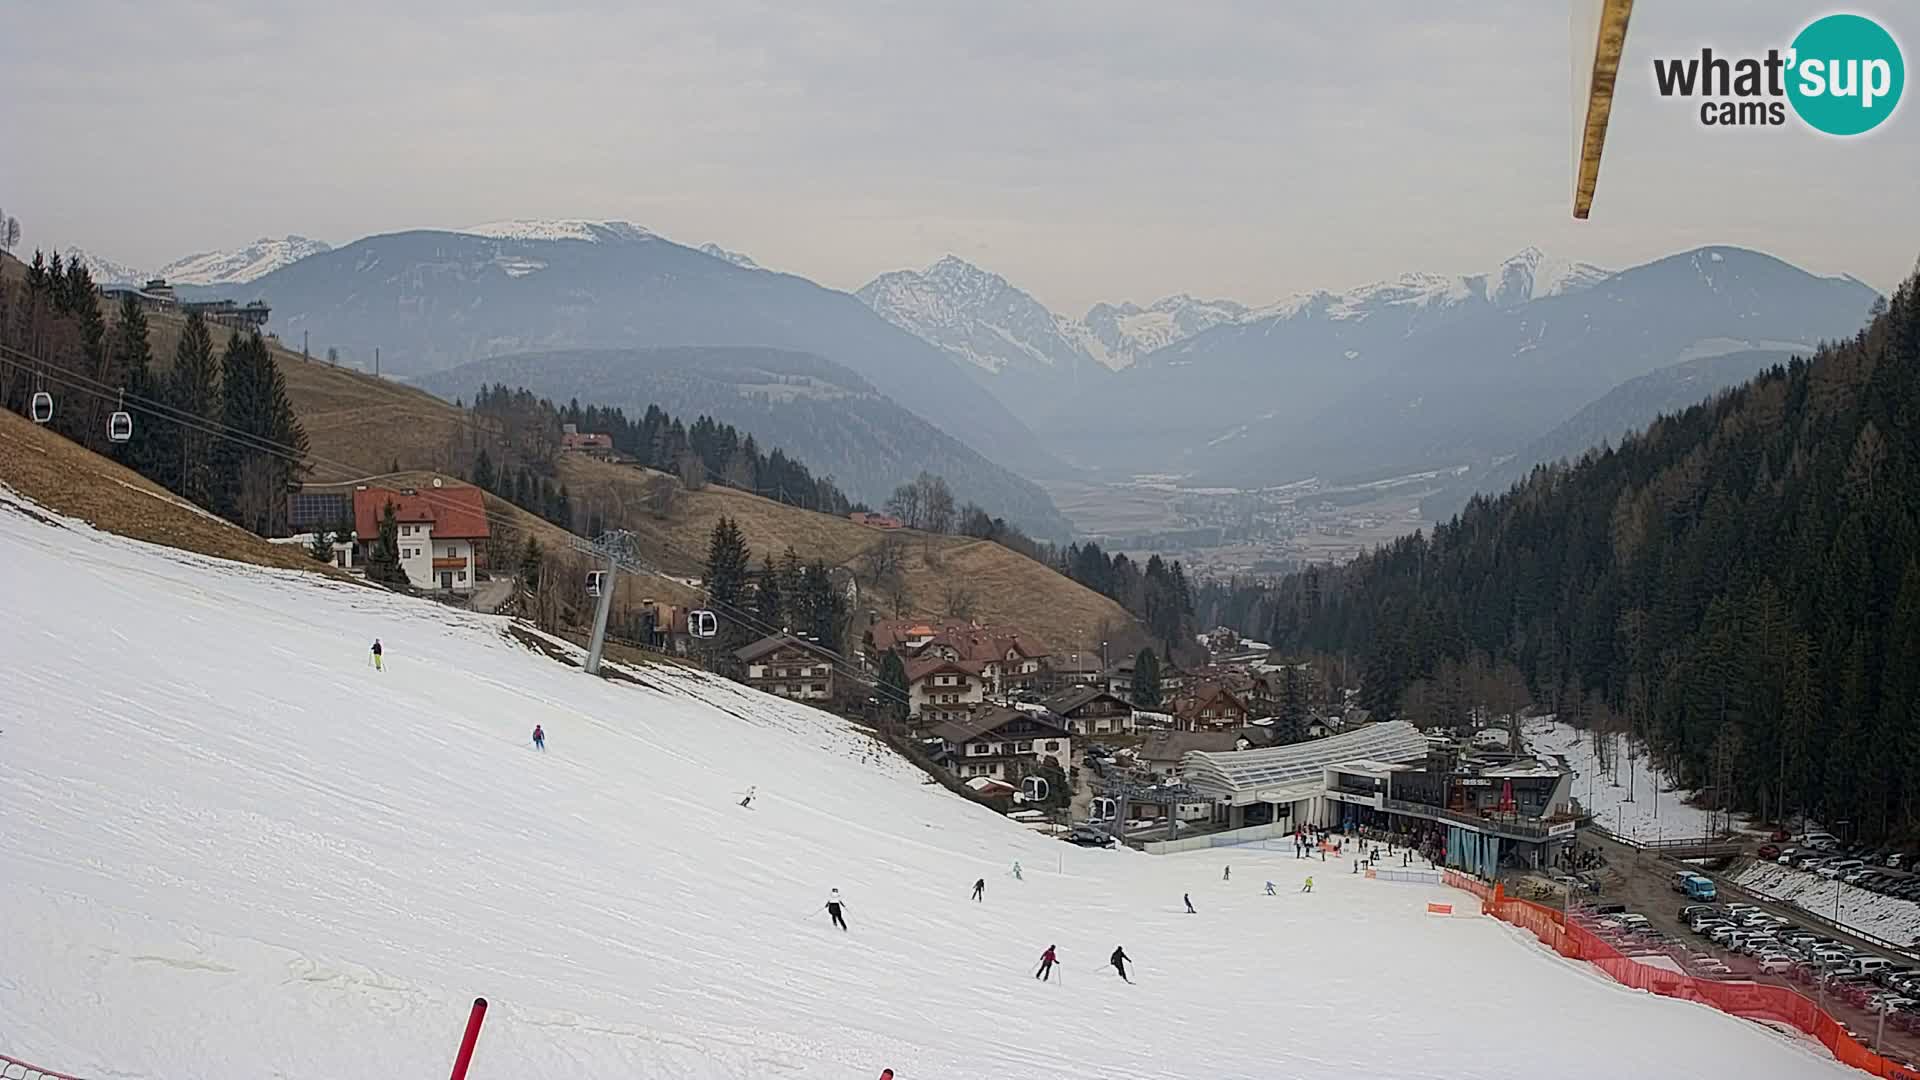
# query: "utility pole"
{"points": [[376, 361], [304, 354]]}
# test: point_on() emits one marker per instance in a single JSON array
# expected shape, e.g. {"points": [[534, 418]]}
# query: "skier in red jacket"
{"points": [[1047, 960]]}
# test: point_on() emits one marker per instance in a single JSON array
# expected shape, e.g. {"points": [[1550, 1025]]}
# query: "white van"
{"points": [[1832, 954], [1867, 965], [1820, 841]]}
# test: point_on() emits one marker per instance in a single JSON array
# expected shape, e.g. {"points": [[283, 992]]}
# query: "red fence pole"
{"points": [[472, 1036]]}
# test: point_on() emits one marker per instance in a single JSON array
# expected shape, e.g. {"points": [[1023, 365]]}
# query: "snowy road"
{"points": [[231, 850]]}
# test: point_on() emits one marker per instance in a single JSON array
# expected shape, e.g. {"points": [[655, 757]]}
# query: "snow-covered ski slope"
{"points": [[230, 850]]}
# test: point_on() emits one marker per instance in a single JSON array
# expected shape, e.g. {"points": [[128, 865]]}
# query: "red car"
{"points": [[1769, 851]]}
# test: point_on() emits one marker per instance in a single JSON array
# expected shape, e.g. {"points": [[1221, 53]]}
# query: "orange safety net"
{"points": [[1755, 1001]]}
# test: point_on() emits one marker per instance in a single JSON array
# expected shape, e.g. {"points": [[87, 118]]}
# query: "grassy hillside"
{"points": [[63, 475], [1006, 587], [340, 407]]}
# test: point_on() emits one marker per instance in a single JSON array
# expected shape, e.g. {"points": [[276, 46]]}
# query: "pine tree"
{"points": [[193, 390], [321, 547], [131, 360], [893, 686], [483, 471], [256, 465], [769, 603], [826, 606], [728, 561], [1293, 703], [1146, 680], [383, 558]]}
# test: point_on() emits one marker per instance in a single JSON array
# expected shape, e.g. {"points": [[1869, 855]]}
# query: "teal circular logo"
{"points": [[1846, 74]]}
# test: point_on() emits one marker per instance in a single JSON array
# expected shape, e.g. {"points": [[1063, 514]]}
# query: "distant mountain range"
{"points": [[235, 266], [818, 411], [1034, 360], [432, 300], [1421, 371], [1044, 365], [1489, 379]]}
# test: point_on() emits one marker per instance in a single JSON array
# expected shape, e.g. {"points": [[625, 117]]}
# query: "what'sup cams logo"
{"points": [[1842, 75]]}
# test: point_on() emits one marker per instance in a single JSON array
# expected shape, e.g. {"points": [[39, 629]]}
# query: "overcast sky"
{"points": [[1087, 149]]}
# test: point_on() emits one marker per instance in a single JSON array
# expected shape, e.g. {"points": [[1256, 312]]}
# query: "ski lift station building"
{"points": [[1386, 776]]}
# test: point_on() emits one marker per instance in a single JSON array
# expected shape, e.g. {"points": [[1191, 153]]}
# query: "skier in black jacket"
{"points": [[1119, 961], [833, 909]]}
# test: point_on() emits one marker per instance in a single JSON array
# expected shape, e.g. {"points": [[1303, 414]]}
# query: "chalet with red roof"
{"points": [[575, 441], [441, 530], [1212, 706], [876, 521], [939, 689], [953, 664]]}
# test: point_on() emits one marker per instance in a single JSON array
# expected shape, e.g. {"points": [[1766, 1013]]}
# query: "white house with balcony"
{"points": [[1001, 743], [438, 532]]}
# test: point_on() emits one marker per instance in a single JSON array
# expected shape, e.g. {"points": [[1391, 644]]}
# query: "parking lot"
{"points": [[1745, 937]]}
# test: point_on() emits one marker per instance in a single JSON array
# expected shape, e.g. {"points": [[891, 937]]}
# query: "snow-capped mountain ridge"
{"points": [[982, 318], [742, 261], [1528, 275], [238, 266], [561, 229], [233, 266], [1118, 335], [105, 271], [976, 316]]}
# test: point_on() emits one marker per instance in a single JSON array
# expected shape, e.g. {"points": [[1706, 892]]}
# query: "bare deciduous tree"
{"points": [[885, 560], [693, 471], [960, 601], [662, 494], [905, 505]]}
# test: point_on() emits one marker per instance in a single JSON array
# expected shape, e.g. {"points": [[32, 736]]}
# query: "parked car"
{"points": [[1834, 869], [1089, 836], [1785, 855], [1820, 841], [1776, 963], [1869, 965], [1769, 851]]}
